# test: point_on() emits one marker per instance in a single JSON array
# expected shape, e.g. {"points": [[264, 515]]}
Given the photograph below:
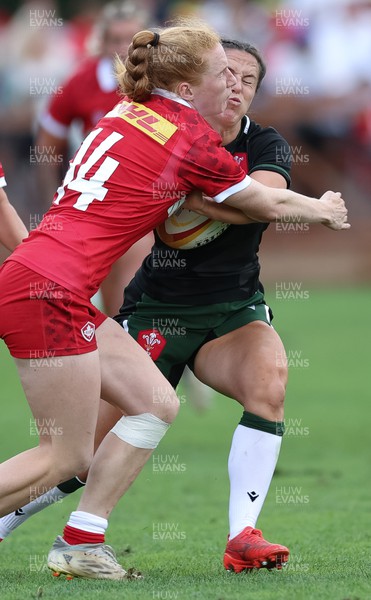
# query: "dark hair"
{"points": [[246, 47]]}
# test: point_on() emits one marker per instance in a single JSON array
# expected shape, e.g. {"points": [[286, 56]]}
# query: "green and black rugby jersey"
{"points": [[227, 267]]}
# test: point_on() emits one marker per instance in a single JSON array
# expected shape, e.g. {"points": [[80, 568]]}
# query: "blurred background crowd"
{"points": [[317, 91]]}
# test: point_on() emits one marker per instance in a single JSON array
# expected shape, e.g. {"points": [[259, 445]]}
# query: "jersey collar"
{"points": [[171, 96], [245, 124]]}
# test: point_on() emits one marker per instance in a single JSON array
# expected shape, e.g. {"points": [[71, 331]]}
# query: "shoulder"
{"points": [[80, 85], [268, 142], [268, 150], [85, 71], [265, 134]]}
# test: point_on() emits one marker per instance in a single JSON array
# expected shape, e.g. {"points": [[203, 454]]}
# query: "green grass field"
{"points": [[172, 524]]}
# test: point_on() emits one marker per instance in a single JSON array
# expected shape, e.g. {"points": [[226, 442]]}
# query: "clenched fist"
{"points": [[337, 211]]}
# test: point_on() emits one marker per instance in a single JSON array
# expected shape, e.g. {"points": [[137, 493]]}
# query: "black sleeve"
{"points": [[268, 151]]}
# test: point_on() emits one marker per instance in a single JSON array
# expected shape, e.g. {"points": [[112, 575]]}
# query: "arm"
{"points": [[51, 140], [12, 229], [52, 151], [267, 205], [201, 204], [257, 201]]}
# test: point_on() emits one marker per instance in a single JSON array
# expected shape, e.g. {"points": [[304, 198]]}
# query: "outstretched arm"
{"points": [[203, 205], [266, 204]]}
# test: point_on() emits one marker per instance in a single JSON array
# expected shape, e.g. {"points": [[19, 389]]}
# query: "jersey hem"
{"points": [[51, 276]]}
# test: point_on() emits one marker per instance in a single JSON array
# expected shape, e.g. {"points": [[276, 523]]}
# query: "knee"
{"points": [[274, 398], [73, 465], [267, 396], [82, 462], [141, 431]]}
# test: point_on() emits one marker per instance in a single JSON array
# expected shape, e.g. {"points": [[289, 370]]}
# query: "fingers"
{"points": [[338, 224], [336, 203]]}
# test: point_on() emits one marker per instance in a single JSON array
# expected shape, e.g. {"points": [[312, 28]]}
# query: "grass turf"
{"points": [[172, 524]]}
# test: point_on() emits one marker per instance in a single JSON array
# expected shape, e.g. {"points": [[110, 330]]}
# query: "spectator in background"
{"points": [[31, 45], [317, 84], [91, 91], [88, 94]]}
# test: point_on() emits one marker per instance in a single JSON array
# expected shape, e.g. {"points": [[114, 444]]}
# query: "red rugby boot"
{"points": [[249, 550]]}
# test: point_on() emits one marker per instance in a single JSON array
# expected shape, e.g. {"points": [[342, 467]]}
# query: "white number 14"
{"points": [[93, 188]]}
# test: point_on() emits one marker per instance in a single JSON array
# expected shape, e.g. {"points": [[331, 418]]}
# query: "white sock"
{"points": [[16, 518], [252, 460], [87, 522]]}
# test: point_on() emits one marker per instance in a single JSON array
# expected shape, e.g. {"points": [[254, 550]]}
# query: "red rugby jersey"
{"points": [[86, 97], [130, 173]]}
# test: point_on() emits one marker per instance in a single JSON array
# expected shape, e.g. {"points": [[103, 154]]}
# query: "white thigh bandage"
{"points": [[141, 431]]}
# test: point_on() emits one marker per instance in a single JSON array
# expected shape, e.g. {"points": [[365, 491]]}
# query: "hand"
{"points": [[207, 207], [195, 202], [338, 213]]}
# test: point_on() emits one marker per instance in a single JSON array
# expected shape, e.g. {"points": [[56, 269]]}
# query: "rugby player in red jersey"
{"points": [[155, 137]]}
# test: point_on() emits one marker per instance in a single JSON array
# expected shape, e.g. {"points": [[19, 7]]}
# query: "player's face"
{"points": [[211, 95], [245, 68], [118, 37]]}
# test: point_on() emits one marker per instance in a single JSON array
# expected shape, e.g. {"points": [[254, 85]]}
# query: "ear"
{"points": [[184, 90]]}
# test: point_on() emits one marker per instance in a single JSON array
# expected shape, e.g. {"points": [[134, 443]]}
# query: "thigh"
{"points": [[63, 394], [130, 379], [244, 364], [51, 335], [169, 333]]}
